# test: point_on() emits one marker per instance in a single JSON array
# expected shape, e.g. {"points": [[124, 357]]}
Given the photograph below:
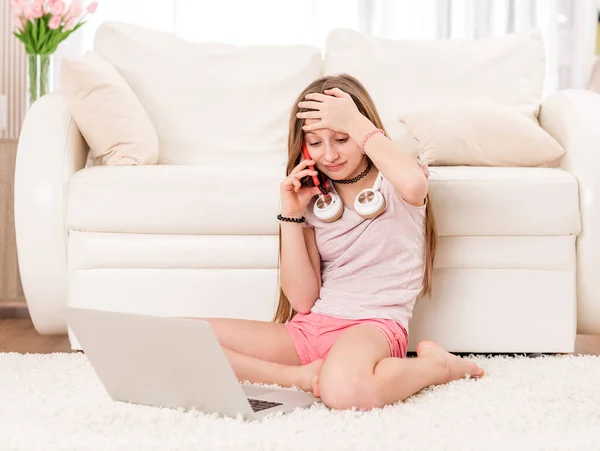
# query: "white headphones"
{"points": [[369, 203]]}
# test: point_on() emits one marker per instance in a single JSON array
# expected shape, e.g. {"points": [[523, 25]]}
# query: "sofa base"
{"points": [[504, 294], [498, 311], [470, 310]]}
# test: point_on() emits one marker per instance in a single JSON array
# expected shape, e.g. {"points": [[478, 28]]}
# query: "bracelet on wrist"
{"points": [[368, 136], [286, 219]]}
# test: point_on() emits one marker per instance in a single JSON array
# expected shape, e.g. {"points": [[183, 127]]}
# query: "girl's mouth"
{"points": [[335, 168]]}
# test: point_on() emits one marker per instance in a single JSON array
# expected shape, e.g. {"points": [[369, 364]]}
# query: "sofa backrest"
{"points": [[404, 75], [208, 100]]}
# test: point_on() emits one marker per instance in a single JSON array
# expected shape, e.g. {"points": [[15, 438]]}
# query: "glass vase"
{"points": [[40, 76]]}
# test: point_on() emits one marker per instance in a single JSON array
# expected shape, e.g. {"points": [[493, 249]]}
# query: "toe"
{"points": [[477, 371]]}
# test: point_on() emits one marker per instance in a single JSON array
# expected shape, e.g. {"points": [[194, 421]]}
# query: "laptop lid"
{"points": [[159, 361]]}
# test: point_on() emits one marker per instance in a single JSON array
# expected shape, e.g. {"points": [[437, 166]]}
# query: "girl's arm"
{"points": [[398, 166], [313, 254], [300, 266], [337, 111]]}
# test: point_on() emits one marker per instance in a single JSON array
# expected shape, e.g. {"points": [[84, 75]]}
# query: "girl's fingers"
{"points": [[303, 164], [310, 105], [316, 96], [310, 115], [337, 92], [291, 181], [318, 125], [304, 173]]}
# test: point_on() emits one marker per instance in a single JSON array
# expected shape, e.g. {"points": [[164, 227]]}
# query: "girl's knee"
{"points": [[344, 390]]}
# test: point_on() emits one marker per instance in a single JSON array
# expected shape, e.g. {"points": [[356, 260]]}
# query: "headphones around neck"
{"points": [[329, 207]]}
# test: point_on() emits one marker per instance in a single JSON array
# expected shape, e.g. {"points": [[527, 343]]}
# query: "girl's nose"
{"points": [[330, 153]]}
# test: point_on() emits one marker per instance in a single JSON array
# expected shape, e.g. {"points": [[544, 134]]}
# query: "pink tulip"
{"points": [[27, 11], [51, 3], [75, 9], [37, 11], [58, 8], [71, 23], [54, 22], [15, 8], [92, 7], [39, 5]]}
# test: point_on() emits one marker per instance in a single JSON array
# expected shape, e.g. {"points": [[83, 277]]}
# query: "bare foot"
{"points": [[309, 377], [456, 367]]}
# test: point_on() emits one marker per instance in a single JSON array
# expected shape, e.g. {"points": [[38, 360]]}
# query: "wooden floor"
{"points": [[17, 334]]}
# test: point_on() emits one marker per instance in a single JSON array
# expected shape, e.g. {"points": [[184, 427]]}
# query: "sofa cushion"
{"points": [[402, 75], [107, 112], [215, 198], [208, 97], [243, 199], [481, 134], [491, 201]]}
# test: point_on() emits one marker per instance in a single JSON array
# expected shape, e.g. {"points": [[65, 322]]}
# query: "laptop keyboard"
{"points": [[258, 404]]}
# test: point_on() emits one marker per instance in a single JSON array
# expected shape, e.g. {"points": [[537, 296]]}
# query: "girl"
{"points": [[348, 287]]}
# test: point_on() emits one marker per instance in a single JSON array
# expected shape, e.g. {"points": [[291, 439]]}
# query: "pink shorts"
{"points": [[314, 334]]}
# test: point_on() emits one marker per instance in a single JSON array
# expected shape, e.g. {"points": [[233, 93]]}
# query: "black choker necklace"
{"points": [[357, 178]]}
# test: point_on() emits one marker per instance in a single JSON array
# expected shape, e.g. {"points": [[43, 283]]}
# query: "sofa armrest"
{"points": [[49, 151], [572, 117]]}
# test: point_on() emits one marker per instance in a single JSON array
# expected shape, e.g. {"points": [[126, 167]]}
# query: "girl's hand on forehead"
{"points": [[335, 110]]}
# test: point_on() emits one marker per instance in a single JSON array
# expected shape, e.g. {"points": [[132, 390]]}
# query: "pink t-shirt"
{"points": [[371, 268]]}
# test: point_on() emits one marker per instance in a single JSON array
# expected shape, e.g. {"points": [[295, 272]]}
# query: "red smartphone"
{"points": [[312, 180]]}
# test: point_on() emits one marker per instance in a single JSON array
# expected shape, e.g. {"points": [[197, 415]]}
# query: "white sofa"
{"points": [[196, 234]]}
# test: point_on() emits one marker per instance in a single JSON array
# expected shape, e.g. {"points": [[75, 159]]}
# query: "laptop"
{"points": [[171, 362]]}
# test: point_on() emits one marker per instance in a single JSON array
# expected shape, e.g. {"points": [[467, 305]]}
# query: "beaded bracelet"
{"points": [[283, 218], [368, 136]]}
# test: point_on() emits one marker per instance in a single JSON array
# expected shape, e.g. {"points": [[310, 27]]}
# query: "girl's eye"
{"points": [[342, 140], [313, 144]]}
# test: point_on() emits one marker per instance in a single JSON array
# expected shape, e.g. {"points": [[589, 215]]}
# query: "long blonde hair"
{"points": [[365, 105]]}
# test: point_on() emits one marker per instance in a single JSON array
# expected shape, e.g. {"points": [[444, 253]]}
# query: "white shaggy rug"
{"points": [[56, 402]]}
